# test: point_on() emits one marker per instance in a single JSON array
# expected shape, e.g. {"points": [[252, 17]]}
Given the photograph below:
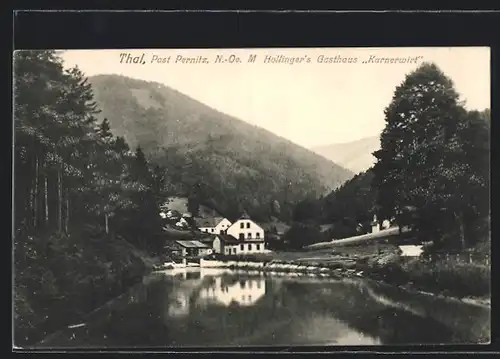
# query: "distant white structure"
{"points": [[170, 214], [411, 250], [182, 223]]}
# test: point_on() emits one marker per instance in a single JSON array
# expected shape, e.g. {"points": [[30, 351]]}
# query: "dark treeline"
{"points": [[432, 171], [83, 200]]}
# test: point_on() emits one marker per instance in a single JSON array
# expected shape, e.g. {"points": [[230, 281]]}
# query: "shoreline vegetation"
{"points": [[73, 281]]}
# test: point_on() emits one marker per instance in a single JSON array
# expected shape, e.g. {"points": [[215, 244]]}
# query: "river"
{"points": [[215, 308]]}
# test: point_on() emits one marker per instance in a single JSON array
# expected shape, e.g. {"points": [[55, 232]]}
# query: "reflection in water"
{"points": [[244, 292], [217, 308], [332, 331], [179, 305]]}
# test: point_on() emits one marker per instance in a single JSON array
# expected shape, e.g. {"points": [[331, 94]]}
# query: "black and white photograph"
{"points": [[258, 197]]}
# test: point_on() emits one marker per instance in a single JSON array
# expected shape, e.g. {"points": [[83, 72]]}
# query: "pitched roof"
{"points": [[228, 239], [207, 240], [191, 244], [208, 222], [244, 216]]}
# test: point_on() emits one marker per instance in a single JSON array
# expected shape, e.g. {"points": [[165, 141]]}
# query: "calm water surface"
{"points": [[214, 308]]}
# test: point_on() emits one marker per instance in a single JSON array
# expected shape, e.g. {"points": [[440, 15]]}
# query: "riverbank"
{"points": [[466, 282], [61, 278]]}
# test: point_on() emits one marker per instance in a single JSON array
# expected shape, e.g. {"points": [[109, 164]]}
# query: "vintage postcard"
{"points": [[226, 198]]}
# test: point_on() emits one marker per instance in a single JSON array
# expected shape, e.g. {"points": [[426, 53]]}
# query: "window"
{"points": [[242, 235], [242, 225], [221, 231], [234, 250], [212, 229], [258, 247], [249, 235], [249, 247], [257, 235], [242, 247], [248, 224]]}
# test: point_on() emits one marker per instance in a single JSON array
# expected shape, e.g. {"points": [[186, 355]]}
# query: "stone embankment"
{"points": [[333, 267]]}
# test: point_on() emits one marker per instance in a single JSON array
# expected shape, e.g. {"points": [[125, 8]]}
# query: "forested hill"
{"points": [[225, 162]]}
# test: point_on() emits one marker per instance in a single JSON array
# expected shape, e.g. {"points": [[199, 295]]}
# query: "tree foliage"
{"points": [[302, 234], [351, 207], [433, 156], [70, 169], [431, 174], [74, 182]]}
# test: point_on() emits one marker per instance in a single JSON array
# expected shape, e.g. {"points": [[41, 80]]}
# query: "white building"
{"points": [[246, 229], [227, 244], [217, 225], [241, 237]]}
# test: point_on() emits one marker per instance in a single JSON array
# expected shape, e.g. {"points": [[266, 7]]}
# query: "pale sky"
{"points": [[311, 103]]}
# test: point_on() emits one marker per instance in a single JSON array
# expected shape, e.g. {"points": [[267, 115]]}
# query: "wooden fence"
{"points": [[461, 257]]}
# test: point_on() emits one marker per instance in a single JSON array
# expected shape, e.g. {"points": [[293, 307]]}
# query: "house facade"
{"points": [[217, 225], [246, 229], [225, 244], [228, 245]]}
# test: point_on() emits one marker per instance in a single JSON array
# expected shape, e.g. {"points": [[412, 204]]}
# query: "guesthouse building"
{"points": [[246, 229]]}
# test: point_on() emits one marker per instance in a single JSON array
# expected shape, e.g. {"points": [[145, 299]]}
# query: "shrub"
{"points": [[303, 234], [457, 278], [67, 276]]}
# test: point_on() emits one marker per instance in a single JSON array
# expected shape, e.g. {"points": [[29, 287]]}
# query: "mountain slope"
{"points": [[356, 155], [225, 161]]}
